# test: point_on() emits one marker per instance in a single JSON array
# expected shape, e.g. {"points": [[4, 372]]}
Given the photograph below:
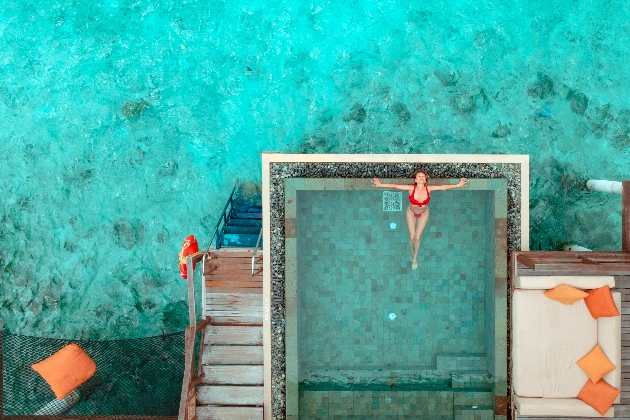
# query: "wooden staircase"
{"points": [[232, 385]]}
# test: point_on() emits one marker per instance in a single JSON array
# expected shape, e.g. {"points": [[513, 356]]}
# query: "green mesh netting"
{"points": [[140, 377]]}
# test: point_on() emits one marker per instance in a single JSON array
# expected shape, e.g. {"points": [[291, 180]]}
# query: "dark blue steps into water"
{"points": [[243, 227]]}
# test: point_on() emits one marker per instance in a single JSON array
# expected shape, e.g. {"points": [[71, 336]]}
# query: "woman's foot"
{"points": [[414, 265]]}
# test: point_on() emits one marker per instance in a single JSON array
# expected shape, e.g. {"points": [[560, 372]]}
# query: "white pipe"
{"points": [[604, 186], [58, 407], [576, 248]]}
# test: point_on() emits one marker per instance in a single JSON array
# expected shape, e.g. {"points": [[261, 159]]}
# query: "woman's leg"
{"points": [[421, 223], [411, 224]]}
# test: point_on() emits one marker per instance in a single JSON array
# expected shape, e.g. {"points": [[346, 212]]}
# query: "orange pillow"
{"points": [[566, 294], [596, 364], [600, 396], [600, 303], [66, 369]]}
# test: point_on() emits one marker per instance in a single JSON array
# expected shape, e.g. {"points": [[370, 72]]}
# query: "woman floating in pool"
{"points": [[418, 211]]}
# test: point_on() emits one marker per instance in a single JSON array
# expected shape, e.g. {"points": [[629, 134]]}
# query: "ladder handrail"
{"points": [[223, 217], [256, 249]]}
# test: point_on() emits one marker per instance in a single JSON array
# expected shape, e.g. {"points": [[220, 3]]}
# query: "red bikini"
{"points": [[413, 201]]}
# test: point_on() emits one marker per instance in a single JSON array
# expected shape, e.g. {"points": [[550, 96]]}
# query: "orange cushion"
{"points": [[596, 364], [566, 294], [600, 396], [66, 369], [600, 302]]}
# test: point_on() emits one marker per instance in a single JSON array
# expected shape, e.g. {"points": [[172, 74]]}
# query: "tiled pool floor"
{"points": [[354, 271]]}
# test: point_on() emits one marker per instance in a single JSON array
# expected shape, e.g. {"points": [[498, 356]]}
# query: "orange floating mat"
{"points": [[66, 370]]}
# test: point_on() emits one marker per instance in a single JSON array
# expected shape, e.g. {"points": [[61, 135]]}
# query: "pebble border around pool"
{"points": [[280, 171]]}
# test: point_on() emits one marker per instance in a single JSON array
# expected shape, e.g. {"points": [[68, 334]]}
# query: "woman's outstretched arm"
{"points": [[377, 183], [462, 183]]}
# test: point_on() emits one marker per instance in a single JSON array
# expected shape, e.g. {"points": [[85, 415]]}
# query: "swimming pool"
{"points": [[365, 334], [367, 322]]}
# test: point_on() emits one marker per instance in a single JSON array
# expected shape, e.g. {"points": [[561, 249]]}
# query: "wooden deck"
{"points": [[232, 360]]}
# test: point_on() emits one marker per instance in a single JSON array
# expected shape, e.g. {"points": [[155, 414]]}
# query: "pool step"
{"points": [[462, 362], [252, 230], [245, 222], [243, 240], [252, 216], [473, 413], [468, 380], [473, 398]]}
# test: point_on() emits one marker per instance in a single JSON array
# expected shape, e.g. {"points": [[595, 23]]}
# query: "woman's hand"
{"points": [[462, 182], [376, 182]]}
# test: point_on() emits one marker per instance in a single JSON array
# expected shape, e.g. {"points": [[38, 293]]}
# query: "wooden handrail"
{"points": [[562, 263], [192, 378]]}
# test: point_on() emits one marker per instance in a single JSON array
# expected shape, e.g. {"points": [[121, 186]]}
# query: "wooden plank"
{"points": [[212, 268], [232, 298], [233, 355], [620, 269], [233, 375], [209, 412], [569, 254], [229, 395], [580, 270], [242, 271], [234, 335], [231, 252], [224, 259], [615, 260], [527, 262], [233, 288], [235, 308], [625, 216], [249, 315], [243, 277], [244, 284], [237, 320]]}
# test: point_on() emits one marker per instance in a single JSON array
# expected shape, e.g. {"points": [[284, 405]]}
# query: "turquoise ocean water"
{"points": [[124, 124]]}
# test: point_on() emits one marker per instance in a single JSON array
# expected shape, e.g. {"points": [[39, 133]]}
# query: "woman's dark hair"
{"points": [[420, 172]]}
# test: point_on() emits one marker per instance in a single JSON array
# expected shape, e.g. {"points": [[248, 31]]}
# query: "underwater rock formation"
{"points": [[542, 88], [578, 101], [357, 113], [446, 78], [401, 111], [169, 168], [501, 131], [127, 234], [464, 103], [133, 108]]}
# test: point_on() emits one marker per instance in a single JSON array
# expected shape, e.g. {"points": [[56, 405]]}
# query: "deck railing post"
{"points": [[188, 360], [191, 293]]}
